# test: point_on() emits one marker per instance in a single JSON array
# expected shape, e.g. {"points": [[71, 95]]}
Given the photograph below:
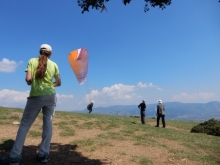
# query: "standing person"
{"points": [[160, 114], [142, 107], [39, 74], [89, 106]]}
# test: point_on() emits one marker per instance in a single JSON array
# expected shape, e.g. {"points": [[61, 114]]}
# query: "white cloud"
{"points": [[118, 93], [194, 97], [114, 93], [150, 85], [8, 66], [141, 85], [159, 89], [12, 98], [63, 98]]}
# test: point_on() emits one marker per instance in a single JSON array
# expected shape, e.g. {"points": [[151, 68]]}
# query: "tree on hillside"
{"points": [[100, 4]]}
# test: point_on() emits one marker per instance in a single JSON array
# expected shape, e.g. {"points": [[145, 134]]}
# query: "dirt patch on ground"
{"points": [[118, 152]]}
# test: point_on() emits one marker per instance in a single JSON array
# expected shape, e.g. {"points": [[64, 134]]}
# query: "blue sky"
{"points": [[170, 54]]}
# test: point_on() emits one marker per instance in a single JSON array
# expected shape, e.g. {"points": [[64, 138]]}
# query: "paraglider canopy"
{"points": [[78, 60]]}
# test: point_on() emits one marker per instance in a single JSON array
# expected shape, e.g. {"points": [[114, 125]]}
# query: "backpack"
{"points": [[160, 109]]}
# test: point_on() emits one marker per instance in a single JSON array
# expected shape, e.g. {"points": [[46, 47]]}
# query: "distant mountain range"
{"points": [[174, 110]]}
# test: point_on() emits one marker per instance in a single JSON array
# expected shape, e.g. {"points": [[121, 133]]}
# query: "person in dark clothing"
{"points": [[160, 114], [142, 107], [89, 106]]}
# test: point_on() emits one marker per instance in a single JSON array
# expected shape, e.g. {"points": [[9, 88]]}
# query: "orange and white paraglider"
{"points": [[78, 60]]}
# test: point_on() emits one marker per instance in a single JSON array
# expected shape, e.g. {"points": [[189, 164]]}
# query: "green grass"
{"points": [[122, 153], [198, 147], [62, 123], [91, 144], [9, 115], [185, 125], [142, 160], [66, 131], [34, 133], [112, 135], [86, 125]]}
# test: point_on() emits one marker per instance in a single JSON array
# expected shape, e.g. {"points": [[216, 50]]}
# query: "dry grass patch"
{"points": [[101, 139]]}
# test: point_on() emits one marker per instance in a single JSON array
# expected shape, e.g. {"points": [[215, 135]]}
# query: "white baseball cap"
{"points": [[92, 101], [160, 101], [46, 47]]}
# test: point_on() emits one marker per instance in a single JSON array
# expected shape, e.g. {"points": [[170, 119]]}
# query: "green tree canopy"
{"points": [[101, 4]]}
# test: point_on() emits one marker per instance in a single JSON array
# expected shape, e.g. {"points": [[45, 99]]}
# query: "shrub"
{"points": [[210, 127]]}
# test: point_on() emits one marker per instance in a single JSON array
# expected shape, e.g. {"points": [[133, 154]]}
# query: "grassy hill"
{"points": [[94, 139]]}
